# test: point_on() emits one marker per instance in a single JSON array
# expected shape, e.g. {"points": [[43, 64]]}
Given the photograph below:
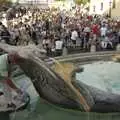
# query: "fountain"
{"points": [[62, 88], [66, 72]]}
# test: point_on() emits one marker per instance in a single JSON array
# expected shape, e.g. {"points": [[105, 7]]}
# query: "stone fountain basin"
{"points": [[67, 92], [87, 73]]}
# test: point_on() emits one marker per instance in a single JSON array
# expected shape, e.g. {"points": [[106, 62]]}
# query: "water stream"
{"points": [[59, 65]]}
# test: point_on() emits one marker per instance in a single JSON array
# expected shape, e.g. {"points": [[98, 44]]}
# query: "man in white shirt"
{"points": [[87, 30], [103, 30], [74, 36], [58, 47]]}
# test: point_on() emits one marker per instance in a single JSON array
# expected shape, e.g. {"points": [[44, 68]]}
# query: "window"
{"points": [[101, 6], [94, 7], [114, 4]]}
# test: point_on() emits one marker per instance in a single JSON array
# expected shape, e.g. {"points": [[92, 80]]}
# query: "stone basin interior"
{"points": [[104, 75]]}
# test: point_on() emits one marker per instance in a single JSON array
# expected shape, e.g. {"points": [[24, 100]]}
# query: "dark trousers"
{"points": [[58, 52]]}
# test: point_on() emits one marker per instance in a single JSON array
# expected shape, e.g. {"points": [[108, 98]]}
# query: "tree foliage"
{"points": [[4, 4], [60, 0], [79, 2]]}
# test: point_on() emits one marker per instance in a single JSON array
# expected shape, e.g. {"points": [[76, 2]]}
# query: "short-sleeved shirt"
{"points": [[58, 45]]}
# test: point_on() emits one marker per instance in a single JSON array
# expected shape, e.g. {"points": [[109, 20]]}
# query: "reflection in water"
{"points": [[4, 116]]}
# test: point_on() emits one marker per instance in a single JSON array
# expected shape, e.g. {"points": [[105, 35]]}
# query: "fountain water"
{"points": [[65, 71]]}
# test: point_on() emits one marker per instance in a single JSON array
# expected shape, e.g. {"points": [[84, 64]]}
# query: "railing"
{"points": [[86, 55]]}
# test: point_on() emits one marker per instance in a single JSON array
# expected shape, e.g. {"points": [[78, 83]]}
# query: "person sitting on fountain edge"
{"points": [[5, 77]]}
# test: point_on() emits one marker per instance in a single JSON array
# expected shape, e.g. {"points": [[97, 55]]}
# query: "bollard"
{"points": [[93, 48], [65, 51], [3, 41], [118, 47]]}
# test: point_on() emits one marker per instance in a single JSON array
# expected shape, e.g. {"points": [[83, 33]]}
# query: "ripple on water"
{"points": [[102, 75]]}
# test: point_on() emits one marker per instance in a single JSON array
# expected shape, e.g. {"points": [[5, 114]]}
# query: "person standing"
{"points": [[74, 36], [58, 47], [103, 30]]}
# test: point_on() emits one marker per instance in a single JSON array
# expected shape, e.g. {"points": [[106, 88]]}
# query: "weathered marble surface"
{"points": [[50, 85]]}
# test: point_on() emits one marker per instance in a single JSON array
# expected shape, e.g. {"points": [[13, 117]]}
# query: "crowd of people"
{"points": [[55, 30]]}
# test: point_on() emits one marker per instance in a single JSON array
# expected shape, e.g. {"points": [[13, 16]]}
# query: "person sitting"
{"points": [[106, 44]]}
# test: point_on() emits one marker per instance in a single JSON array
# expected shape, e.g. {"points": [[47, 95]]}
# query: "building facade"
{"points": [[33, 3], [110, 7], [67, 4]]}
